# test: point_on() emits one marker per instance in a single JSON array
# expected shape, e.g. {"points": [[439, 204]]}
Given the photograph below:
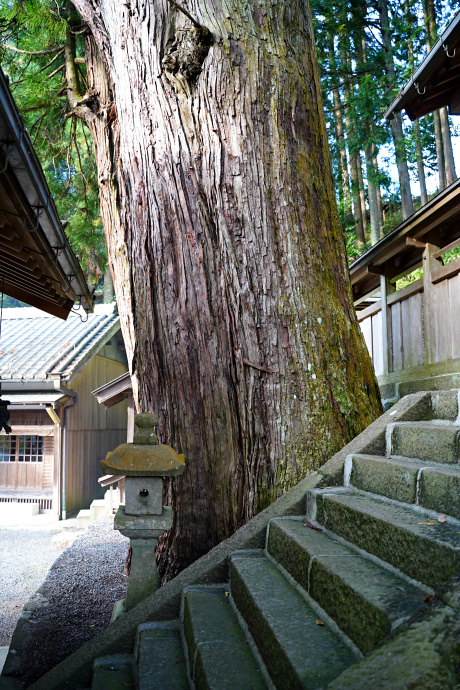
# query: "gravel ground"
{"points": [[81, 588], [25, 558]]}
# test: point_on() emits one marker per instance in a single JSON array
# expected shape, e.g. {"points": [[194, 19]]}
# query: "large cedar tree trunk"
{"points": [[228, 257]]}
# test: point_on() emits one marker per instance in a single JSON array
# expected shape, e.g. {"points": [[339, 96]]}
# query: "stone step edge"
{"points": [[252, 645], [437, 469], [249, 639], [193, 588], [334, 491], [256, 603], [370, 556], [312, 603], [155, 625], [437, 423], [342, 552], [443, 467]]}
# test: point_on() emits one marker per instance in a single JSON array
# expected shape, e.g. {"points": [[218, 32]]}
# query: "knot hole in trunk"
{"points": [[187, 52]]}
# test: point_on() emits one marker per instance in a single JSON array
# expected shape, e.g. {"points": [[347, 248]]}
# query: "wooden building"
{"points": [[108, 395], [413, 334], [59, 432]]}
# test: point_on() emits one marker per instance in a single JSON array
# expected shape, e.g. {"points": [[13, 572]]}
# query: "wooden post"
{"points": [[57, 470], [131, 415], [386, 288], [429, 302]]}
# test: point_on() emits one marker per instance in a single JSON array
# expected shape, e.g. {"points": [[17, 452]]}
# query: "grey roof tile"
{"points": [[34, 345]]}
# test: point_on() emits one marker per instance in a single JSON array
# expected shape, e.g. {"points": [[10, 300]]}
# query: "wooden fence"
{"points": [[415, 332]]}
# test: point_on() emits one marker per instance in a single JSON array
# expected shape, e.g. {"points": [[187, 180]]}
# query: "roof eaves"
{"points": [[120, 380], [26, 164], [75, 367], [436, 53], [401, 229]]}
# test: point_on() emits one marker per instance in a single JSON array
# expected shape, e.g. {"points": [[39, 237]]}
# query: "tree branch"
{"points": [[35, 52], [186, 12], [51, 61], [56, 71]]}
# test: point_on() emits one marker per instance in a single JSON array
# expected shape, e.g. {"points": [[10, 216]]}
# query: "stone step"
{"points": [[83, 519], [219, 655], [435, 486], [395, 533], [298, 650], [97, 509], [159, 657], [424, 656], [425, 441], [113, 673], [341, 580]]}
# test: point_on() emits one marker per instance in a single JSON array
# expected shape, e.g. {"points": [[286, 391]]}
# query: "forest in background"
{"points": [[366, 53]]}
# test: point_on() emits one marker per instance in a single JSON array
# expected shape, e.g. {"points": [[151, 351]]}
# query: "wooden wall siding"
{"points": [[29, 476], [372, 331], [48, 463], [366, 327], [454, 302], [24, 417], [411, 324], [377, 349], [92, 431], [447, 343]]}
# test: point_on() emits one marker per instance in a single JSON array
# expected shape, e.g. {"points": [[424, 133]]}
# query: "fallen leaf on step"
{"points": [[318, 622], [226, 593], [429, 522], [308, 524], [428, 597], [442, 518]]}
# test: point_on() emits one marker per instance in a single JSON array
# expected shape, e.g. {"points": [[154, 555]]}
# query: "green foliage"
{"points": [[62, 141], [9, 302], [353, 60]]}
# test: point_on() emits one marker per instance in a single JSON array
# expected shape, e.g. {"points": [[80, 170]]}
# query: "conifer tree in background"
{"points": [[32, 54], [377, 46]]}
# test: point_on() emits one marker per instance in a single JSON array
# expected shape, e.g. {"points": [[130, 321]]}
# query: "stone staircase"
{"points": [[361, 591]]}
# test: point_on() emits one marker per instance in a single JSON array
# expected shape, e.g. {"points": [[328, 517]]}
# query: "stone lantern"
{"points": [[143, 518]]}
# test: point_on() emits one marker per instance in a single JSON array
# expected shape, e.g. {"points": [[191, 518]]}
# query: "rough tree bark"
{"points": [[451, 175], [420, 164], [375, 163], [226, 248], [362, 195], [372, 194]]}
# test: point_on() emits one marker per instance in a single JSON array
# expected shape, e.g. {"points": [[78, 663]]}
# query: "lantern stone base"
{"points": [[143, 532], [143, 578]]}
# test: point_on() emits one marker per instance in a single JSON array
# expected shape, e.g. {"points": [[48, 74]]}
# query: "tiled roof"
{"points": [[34, 345]]}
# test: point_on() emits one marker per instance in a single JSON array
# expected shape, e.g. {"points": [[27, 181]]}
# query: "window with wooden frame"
{"points": [[21, 448]]}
